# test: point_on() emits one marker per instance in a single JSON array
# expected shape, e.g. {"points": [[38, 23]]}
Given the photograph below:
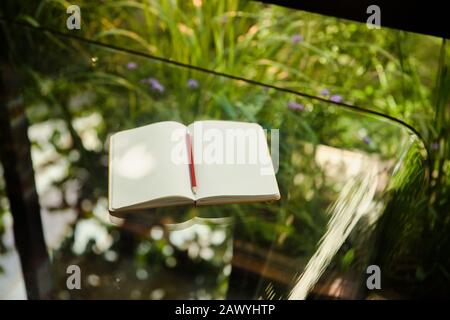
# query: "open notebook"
{"points": [[150, 166]]}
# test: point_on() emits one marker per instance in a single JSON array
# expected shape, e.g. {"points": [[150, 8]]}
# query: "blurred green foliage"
{"points": [[400, 74]]}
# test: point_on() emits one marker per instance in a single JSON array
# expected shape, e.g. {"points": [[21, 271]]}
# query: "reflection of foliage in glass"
{"points": [[3, 213], [388, 70], [193, 262]]}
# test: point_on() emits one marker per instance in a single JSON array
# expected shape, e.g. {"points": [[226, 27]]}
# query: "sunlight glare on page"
{"points": [[136, 162]]}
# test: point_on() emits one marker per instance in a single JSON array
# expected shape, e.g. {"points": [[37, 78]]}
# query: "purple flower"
{"points": [[324, 92], [132, 65], [336, 98], [295, 105], [367, 140], [296, 38], [154, 84], [435, 146], [192, 84]]}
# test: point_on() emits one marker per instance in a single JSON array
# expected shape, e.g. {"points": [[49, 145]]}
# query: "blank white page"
{"points": [[142, 167], [224, 166]]}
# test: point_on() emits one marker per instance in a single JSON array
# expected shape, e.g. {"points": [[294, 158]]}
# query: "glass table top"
{"points": [[336, 167]]}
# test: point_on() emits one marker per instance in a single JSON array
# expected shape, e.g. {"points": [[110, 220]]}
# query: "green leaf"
{"points": [[348, 258]]}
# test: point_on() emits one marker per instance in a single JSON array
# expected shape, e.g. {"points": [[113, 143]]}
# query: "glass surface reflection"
{"points": [[336, 168]]}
